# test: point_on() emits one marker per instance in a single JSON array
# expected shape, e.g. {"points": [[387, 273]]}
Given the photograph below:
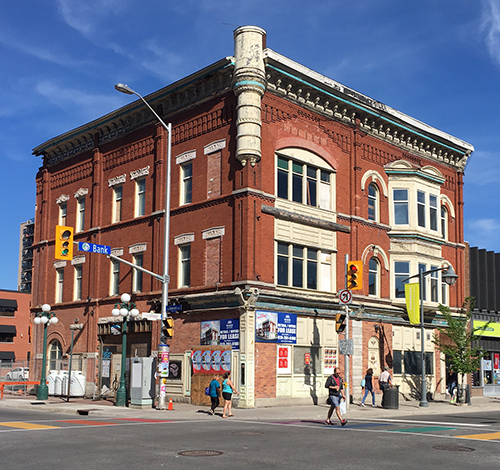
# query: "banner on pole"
{"points": [[412, 295]]}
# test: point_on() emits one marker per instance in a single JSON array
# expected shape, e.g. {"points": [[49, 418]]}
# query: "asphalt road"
{"points": [[43, 441]]}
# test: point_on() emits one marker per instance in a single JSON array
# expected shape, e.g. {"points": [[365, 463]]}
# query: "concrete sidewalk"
{"points": [[183, 411]]}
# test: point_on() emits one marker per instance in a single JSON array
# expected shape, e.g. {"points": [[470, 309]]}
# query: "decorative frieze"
{"points": [[184, 238], [81, 192], [62, 199], [214, 232], [117, 180], [214, 146], [117, 251], [138, 173], [78, 260], [185, 157], [137, 248], [59, 264]]}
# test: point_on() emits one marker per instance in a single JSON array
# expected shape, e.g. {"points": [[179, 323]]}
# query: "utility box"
{"points": [[142, 382]]}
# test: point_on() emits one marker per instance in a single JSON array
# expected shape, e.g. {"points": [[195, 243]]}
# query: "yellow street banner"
{"points": [[412, 295], [493, 329]]}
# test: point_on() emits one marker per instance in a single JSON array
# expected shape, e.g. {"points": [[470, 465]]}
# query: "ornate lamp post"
{"points": [[45, 317], [450, 277], [124, 309]]}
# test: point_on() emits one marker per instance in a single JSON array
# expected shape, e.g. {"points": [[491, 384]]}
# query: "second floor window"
{"points": [[373, 277], [400, 197], [444, 222], [77, 294], [80, 216], [140, 197], [114, 288], [59, 285], [137, 275], [401, 272], [185, 265], [187, 183], [372, 202]]}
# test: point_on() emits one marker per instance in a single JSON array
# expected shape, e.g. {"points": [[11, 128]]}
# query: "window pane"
{"points": [[282, 163], [297, 273], [186, 265], [282, 270], [400, 206], [372, 202], [296, 188], [422, 268], [443, 222], [372, 276], [283, 184], [311, 192], [187, 183], [401, 271], [297, 168], [312, 269], [421, 208], [396, 362], [433, 212]]}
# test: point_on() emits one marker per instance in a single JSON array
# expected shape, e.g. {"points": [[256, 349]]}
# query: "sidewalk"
{"points": [[183, 411]]}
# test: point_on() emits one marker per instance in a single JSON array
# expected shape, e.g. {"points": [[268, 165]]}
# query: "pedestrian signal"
{"points": [[355, 275], [64, 243]]}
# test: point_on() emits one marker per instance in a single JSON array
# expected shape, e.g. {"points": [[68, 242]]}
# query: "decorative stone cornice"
{"points": [[139, 173], [62, 199], [117, 180], [81, 192]]}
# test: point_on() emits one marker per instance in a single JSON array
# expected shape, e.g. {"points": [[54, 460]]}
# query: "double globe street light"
{"points": [[125, 309], [45, 318]]}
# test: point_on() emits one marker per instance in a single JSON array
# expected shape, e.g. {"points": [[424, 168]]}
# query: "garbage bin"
{"points": [[391, 398]]}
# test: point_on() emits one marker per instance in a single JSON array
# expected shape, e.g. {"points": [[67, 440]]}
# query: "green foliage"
{"points": [[456, 340]]}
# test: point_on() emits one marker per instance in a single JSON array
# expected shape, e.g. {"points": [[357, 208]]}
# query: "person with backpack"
{"points": [[335, 386], [214, 392]]}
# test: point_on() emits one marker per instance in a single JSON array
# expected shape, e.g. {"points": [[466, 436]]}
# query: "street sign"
{"points": [[346, 346], [345, 297], [93, 248], [174, 308]]}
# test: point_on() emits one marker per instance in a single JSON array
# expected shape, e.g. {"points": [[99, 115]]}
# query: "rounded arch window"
{"points": [[55, 355], [373, 201], [373, 276]]}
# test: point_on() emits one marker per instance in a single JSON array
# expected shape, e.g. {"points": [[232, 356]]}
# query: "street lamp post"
{"points": [[124, 309], [166, 247], [45, 317], [450, 277]]}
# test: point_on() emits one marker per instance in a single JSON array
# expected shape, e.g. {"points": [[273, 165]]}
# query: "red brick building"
{"points": [[278, 174]]}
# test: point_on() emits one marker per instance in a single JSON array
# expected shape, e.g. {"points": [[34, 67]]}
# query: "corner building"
{"points": [[278, 174]]}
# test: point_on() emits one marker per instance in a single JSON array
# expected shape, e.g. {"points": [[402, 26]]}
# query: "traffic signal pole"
{"points": [[347, 357]]}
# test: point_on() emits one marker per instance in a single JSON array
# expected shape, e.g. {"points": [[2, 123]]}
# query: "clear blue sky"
{"points": [[436, 60]]}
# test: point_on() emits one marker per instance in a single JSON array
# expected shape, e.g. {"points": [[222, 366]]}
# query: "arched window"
{"points": [[444, 222], [373, 197], [373, 277], [55, 355]]}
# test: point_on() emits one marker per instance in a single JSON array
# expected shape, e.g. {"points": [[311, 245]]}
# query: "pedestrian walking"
{"points": [[227, 394], [368, 387], [335, 386], [214, 393], [384, 382]]}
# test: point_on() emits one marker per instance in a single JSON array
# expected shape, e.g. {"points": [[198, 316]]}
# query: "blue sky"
{"points": [[438, 61]]}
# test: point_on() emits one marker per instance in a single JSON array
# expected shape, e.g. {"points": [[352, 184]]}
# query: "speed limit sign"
{"points": [[345, 297]]}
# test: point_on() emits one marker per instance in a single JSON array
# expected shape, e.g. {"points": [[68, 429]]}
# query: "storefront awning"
{"points": [[7, 356], [8, 329], [8, 305]]}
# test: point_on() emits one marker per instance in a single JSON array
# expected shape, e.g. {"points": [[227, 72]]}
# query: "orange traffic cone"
{"points": [[170, 405]]}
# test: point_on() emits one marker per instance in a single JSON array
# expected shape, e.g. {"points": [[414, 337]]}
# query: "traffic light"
{"points": [[355, 275], [64, 243], [167, 326], [340, 322]]}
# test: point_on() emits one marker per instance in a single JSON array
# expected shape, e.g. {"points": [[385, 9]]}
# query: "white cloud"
{"points": [[87, 106], [483, 233], [490, 24], [483, 169]]}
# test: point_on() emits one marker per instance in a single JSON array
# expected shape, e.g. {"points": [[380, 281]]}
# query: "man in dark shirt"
{"points": [[335, 386]]}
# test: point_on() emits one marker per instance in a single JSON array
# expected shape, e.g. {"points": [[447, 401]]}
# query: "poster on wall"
{"points": [[284, 365], [216, 332], [329, 360], [211, 362], [275, 327], [496, 360]]}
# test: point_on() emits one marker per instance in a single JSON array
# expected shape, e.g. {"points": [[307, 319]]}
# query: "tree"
{"points": [[456, 340]]}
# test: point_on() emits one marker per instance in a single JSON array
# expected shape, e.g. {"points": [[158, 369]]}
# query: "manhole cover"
{"points": [[454, 448], [248, 433], [200, 453]]}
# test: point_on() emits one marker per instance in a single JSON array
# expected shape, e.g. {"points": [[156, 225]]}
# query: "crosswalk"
{"points": [[449, 430]]}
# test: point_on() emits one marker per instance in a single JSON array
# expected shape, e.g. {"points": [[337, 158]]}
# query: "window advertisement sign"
{"points": [[275, 327], [216, 332], [284, 358], [329, 360], [206, 361]]}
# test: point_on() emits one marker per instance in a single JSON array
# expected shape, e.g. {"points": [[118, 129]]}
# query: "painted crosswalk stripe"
{"points": [[88, 422], [423, 429], [28, 425], [486, 436]]}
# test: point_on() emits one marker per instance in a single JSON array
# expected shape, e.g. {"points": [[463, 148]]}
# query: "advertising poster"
{"points": [[163, 363], [220, 332], [329, 360], [275, 327], [496, 359], [211, 362], [284, 365]]}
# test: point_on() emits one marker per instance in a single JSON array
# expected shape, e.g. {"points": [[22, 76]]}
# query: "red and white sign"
{"points": [[345, 297], [284, 360]]}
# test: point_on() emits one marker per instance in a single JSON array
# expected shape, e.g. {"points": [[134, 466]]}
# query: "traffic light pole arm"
{"points": [[164, 279], [424, 273]]}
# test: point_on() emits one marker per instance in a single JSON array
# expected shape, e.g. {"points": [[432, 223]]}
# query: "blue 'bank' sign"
{"points": [[93, 248]]}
